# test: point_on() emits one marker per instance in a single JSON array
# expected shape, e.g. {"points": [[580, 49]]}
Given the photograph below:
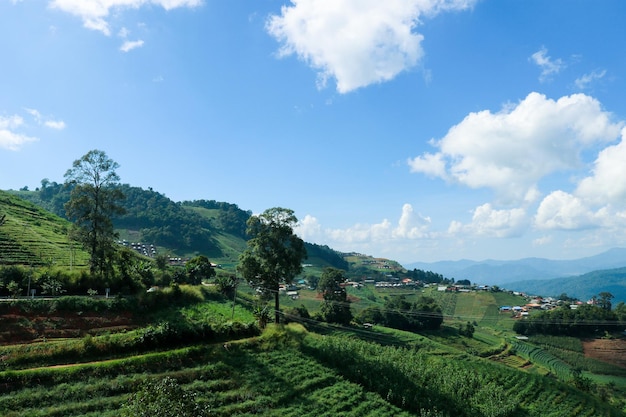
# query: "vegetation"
{"points": [[335, 308], [274, 253], [93, 201], [399, 313], [159, 346], [586, 320]]}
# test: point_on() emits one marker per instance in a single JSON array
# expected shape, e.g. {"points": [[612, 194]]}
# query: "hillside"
{"points": [[33, 236], [582, 287], [178, 229]]}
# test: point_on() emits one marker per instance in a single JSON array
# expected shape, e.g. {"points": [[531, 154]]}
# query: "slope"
{"points": [[582, 287], [33, 236]]}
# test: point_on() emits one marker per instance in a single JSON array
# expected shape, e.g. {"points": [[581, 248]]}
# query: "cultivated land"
{"points": [[77, 363]]}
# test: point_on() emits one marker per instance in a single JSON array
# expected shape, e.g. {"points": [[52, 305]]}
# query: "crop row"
{"points": [[233, 379], [464, 386], [542, 357]]}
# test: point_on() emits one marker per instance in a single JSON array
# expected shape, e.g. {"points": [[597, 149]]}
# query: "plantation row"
{"points": [[293, 373], [232, 380], [455, 386], [541, 357]]}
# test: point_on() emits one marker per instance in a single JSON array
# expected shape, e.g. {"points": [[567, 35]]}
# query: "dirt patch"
{"points": [[27, 327], [612, 351]]}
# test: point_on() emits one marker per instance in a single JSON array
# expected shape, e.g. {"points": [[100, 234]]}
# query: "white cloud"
{"points": [[356, 42], [130, 45], [308, 228], [584, 81], [94, 12], [510, 151], [410, 226], [55, 124], [607, 184], [9, 139], [487, 221], [11, 122], [548, 65], [561, 210], [599, 199]]}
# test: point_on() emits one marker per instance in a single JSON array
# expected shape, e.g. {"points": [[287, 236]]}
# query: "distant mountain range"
{"points": [[493, 272], [581, 278]]}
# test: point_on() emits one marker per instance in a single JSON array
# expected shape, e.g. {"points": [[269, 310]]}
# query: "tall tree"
{"points": [[274, 253], [335, 308], [94, 199]]}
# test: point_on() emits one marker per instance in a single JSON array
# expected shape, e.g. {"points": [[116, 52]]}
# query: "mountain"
{"points": [[180, 229], [494, 272], [582, 287]]}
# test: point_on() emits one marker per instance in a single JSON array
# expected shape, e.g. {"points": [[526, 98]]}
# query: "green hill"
{"points": [[33, 236], [582, 287], [179, 229]]}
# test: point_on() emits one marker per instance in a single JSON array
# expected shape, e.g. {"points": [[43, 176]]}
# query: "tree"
{"points": [[335, 308], [198, 269], [94, 199], [273, 254], [605, 300]]}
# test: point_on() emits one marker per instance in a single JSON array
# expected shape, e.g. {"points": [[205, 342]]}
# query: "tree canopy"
{"points": [[94, 199], [335, 308], [273, 254]]}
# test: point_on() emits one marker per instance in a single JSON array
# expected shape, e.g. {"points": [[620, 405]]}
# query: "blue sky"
{"points": [[417, 130]]}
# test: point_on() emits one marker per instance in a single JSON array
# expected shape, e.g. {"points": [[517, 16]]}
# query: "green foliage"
{"points": [[467, 330], [199, 269], [94, 200], [583, 321], [163, 398], [226, 284], [326, 255], [335, 308], [274, 253], [164, 222], [399, 313]]}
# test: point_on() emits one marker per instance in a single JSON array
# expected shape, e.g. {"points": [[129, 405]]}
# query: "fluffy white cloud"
{"points": [[356, 42], [561, 210], [94, 12], [510, 151], [548, 65], [9, 139], [308, 228], [130, 45], [487, 221], [599, 200], [410, 226], [607, 184]]}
